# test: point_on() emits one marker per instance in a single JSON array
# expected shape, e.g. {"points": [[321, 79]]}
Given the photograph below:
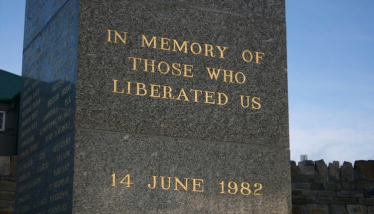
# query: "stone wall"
{"points": [[7, 184], [333, 189]]}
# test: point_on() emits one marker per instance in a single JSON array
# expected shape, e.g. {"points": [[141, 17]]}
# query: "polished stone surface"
{"points": [[101, 62], [75, 132], [143, 156], [47, 115], [272, 9], [38, 14]]}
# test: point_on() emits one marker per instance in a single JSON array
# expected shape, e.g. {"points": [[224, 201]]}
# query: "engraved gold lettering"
{"points": [[228, 75], [222, 51], [257, 193], [244, 190], [163, 183], [166, 183], [259, 56], [247, 56], [233, 188], [134, 59], [188, 71], [196, 94], [163, 67], [179, 183], [213, 73], [127, 181], [180, 47], [165, 44], [209, 50], [182, 93], [146, 64], [225, 75], [166, 66], [193, 45], [147, 43], [209, 97], [139, 89], [154, 183], [243, 103], [197, 185], [115, 88], [167, 92], [109, 35], [243, 77], [128, 87], [117, 36], [177, 69], [155, 91], [223, 99], [256, 103]]}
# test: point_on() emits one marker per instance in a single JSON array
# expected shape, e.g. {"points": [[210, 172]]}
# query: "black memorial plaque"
{"points": [[47, 124]]}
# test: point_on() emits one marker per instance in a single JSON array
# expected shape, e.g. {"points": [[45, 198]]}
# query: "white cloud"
{"points": [[332, 144], [331, 134]]}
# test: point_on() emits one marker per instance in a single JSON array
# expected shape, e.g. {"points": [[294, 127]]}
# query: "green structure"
{"points": [[10, 85]]}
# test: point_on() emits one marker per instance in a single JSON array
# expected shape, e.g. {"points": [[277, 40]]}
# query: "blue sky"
{"points": [[331, 79], [330, 71]]}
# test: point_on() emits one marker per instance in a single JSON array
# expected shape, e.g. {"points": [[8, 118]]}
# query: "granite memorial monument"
{"points": [[165, 106]]}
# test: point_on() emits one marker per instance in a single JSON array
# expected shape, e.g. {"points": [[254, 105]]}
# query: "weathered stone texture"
{"points": [[338, 209], [7, 184], [345, 190], [322, 171], [334, 171], [356, 209], [294, 171], [366, 201], [302, 200], [343, 194], [347, 172], [6, 211], [326, 194], [371, 210], [332, 186], [297, 209], [348, 185], [4, 166], [317, 186], [365, 169], [306, 171], [345, 200], [316, 209], [325, 200]]}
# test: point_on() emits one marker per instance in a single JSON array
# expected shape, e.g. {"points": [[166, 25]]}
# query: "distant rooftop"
{"points": [[10, 85]]}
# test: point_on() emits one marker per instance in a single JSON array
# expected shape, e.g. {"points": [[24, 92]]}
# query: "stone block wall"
{"points": [[333, 189], [7, 184]]}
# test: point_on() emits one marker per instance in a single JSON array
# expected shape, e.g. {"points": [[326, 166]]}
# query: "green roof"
{"points": [[10, 85]]}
